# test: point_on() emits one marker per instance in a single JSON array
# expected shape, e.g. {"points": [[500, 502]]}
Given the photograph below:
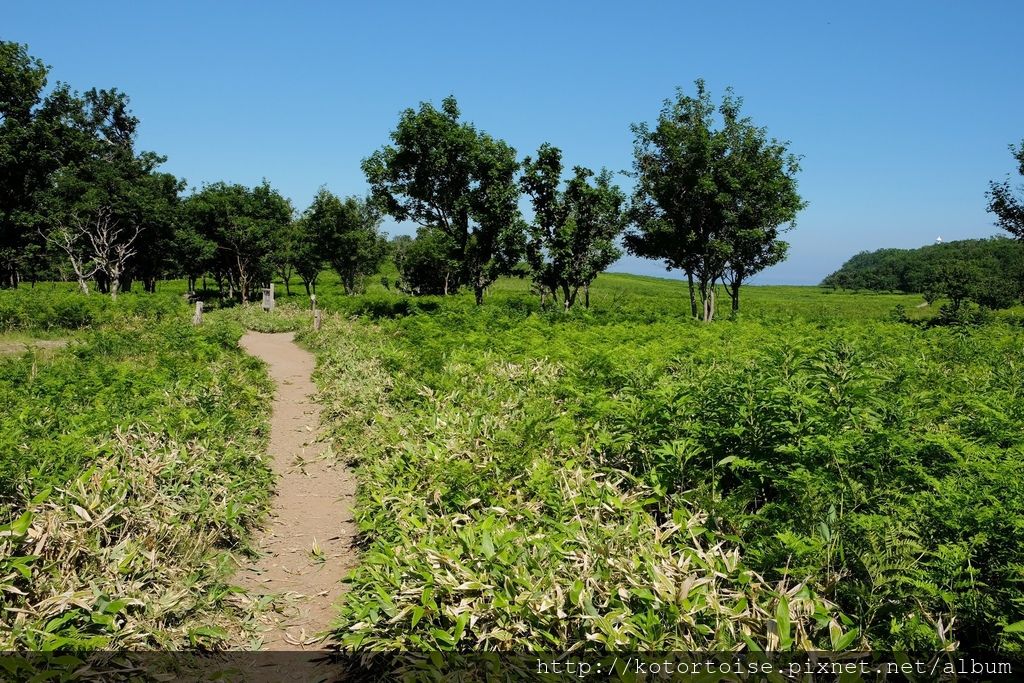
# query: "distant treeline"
{"points": [[916, 270], [80, 202]]}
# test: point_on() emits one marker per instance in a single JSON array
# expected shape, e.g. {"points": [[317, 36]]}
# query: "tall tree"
{"points": [[192, 251], [348, 233], [572, 237], [156, 210], [692, 206], [308, 252], [356, 247], [428, 264], [283, 252], [35, 133], [762, 199], [242, 223], [130, 207], [1006, 202], [442, 172]]}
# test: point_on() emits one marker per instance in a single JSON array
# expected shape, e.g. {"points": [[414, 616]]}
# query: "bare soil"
{"points": [[307, 547], [15, 347]]}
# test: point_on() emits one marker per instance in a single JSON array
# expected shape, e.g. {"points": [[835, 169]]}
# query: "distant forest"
{"points": [[996, 260]]}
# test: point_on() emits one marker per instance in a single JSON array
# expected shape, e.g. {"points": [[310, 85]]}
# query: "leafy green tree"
{"points": [[915, 270], [157, 204], [346, 233], [307, 253], [428, 264], [1006, 202], [282, 253], [68, 167], [956, 281], [38, 136], [762, 199], [22, 173], [692, 206], [242, 222], [572, 237], [356, 247], [192, 251], [128, 206], [442, 172]]}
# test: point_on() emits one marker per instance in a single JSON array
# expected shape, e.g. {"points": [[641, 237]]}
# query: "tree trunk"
{"points": [[735, 289], [571, 301], [586, 295], [707, 300], [693, 295], [243, 286], [478, 291]]}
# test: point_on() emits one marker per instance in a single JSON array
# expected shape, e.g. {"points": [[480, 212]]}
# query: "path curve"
{"points": [[307, 547]]}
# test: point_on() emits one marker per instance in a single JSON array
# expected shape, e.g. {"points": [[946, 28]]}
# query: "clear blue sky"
{"points": [[902, 110]]}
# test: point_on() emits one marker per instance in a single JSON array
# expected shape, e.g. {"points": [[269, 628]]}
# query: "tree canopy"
{"points": [[347, 231], [572, 237], [1007, 201], [443, 173], [242, 222], [713, 191]]}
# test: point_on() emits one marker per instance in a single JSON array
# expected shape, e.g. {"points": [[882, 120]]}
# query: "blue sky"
{"points": [[902, 110]]}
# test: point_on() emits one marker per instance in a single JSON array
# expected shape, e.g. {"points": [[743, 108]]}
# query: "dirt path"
{"points": [[17, 347], [307, 545]]}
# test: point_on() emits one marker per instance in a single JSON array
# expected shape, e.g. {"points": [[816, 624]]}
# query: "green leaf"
{"points": [[460, 625], [21, 525], [487, 545], [1017, 627], [782, 621]]}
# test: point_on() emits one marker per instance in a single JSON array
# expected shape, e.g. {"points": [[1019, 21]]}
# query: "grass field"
{"points": [[817, 473], [130, 466]]}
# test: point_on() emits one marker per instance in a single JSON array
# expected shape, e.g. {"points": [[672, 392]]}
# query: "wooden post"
{"points": [[197, 318], [317, 320], [268, 298]]}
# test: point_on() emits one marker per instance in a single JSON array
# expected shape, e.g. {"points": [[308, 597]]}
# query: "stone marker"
{"points": [[268, 298]]}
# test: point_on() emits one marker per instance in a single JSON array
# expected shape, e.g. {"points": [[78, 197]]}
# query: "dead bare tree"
{"points": [[111, 250], [95, 244], [70, 238]]}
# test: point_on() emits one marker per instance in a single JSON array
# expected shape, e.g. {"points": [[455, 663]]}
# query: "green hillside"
{"points": [[914, 270]]}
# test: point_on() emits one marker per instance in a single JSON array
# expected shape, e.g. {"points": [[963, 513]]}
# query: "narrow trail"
{"points": [[306, 548]]}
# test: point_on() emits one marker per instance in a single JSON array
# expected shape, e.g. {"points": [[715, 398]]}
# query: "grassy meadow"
{"points": [[823, 471]]}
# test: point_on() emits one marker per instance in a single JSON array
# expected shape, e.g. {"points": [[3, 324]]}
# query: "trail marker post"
{"points": [[197, 317], [268, 298], [316, 313]]}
